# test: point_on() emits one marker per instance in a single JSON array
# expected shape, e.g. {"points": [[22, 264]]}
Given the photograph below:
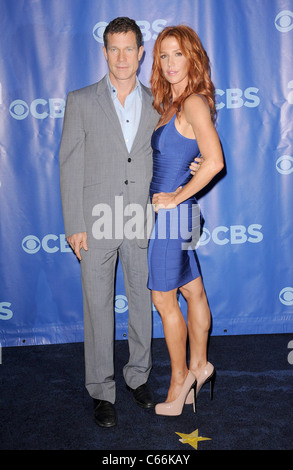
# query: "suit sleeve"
{"points": [[71, 163]]}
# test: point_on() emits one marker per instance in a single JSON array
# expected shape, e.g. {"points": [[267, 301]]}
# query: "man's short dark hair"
{"points": [[123, 24]]}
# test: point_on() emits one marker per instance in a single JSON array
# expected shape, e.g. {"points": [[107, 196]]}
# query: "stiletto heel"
{"points": [[212, 383], [207, 375], [193, 394], [175, 407], [190, 398]]}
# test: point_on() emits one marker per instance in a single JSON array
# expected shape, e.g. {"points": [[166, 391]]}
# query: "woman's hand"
{"points": [[165, 200]]}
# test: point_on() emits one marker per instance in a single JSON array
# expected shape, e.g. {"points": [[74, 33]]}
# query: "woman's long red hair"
{"points": [[199, 81]]}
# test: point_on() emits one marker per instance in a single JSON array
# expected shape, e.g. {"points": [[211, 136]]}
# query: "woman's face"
{"points": [[174, 65]]}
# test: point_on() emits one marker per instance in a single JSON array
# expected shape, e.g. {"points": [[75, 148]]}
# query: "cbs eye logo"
{"points": [[284, 21], [121, 304], [31, 244], [284, 165], [286, 296], [19, 109]]}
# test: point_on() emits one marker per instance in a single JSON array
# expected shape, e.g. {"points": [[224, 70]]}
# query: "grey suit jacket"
{"points": [[99, 178]]}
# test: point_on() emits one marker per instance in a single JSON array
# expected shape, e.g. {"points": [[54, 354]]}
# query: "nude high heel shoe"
{"points": [[207, 375], [174, 408]]}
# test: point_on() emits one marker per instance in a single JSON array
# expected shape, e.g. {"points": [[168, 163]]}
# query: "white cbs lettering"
{"points": [[235, 234], [50, 243], [236, 98], [39, 108], [50, 247], [55, 107], [146, 28], [149, 30], [5, 312]]}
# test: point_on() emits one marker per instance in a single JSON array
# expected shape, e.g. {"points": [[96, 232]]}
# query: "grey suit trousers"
{"points": [[98, 267]]}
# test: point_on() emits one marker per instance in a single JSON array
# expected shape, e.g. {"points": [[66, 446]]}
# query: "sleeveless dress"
{"points": [[172, 259]]}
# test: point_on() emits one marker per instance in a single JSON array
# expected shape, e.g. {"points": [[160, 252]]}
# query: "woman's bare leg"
{"points": [[199, 322], [175, 331]]}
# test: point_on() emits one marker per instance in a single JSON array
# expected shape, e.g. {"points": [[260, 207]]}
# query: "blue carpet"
{"points": [[44, 405]]}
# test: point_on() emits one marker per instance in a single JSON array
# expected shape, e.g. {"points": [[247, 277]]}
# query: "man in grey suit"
{"points": [[105, 172]]}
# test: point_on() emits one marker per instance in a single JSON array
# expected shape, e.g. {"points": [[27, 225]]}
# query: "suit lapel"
{"points": [[146, 109], [105, 101]]}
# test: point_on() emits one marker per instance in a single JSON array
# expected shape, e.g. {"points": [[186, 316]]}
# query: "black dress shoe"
{"points": [[104, 413], [143, 396]]}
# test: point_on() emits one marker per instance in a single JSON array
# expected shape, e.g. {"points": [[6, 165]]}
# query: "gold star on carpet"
{"points": [[192, 439]]}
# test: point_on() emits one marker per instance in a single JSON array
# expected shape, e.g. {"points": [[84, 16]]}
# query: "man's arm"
{"points": [[71, 160]]}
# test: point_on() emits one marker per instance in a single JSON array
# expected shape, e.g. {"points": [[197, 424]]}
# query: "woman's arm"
{"points": [[196, 114]]}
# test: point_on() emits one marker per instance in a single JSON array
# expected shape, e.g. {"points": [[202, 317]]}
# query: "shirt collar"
{"points": [[113, 90]]}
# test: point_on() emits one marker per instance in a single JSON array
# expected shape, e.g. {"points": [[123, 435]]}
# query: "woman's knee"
{"points": [[157, 299], [194, 290], [163, 301]]}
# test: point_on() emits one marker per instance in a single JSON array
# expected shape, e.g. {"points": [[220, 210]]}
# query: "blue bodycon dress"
{"points": [[172, 259]]}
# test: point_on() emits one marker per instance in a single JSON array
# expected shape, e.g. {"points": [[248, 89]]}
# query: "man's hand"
{"points": [[77, 242]]}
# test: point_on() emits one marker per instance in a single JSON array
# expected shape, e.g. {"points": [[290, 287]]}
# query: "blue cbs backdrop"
{"points": [[49, 47]]}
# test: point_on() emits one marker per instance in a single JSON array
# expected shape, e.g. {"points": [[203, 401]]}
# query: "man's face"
{"points": [[122, 55]]}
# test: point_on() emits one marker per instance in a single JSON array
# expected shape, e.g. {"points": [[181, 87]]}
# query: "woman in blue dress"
{"points": [[184, 96]]}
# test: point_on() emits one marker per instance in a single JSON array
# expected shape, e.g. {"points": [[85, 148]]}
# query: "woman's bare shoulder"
{"points": [[196, 107]]}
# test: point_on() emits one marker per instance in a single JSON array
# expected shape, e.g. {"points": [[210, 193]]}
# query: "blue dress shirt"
{"points": [[129, 114]]}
